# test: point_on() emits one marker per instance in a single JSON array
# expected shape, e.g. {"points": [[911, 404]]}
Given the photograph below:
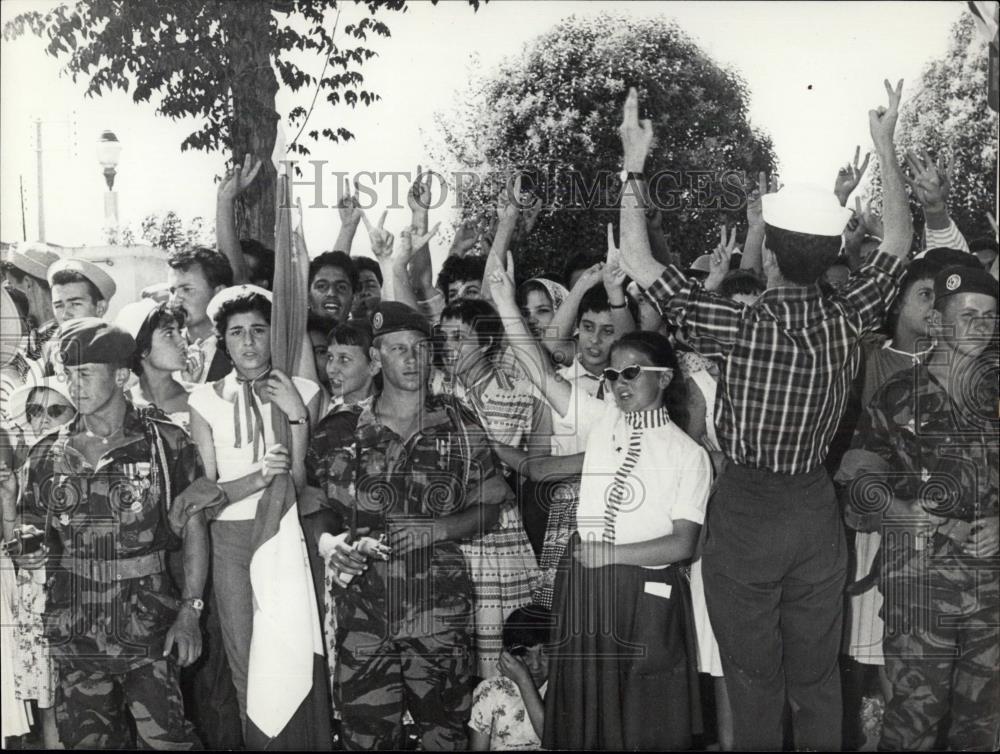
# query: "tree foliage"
{"points": [[554, 110], [948, 115], [219, 62]]}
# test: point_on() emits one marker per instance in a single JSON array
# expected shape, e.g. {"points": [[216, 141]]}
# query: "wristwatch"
{"points": [[194, 603], [627, 175]]}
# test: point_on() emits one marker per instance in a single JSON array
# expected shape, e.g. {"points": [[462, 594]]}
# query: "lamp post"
{"points": [[109, 149]]}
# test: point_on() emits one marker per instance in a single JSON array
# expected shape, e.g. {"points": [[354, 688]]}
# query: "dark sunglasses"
{"points": [[630, 373], [54, 410]]}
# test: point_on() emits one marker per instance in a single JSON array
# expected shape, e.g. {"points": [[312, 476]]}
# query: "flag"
{"points": [[986, 16], [288, 704]]}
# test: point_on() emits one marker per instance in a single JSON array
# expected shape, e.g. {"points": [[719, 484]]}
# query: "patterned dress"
{"points": [[498, 711]]}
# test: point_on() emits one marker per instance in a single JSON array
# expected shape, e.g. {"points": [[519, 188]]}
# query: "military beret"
{"points": [[230, 294], [942, 256], [960, 279], [33, 261], [90, 340], [392, 316], [101, 280]]}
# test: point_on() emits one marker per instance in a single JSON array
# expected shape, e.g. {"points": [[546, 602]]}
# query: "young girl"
{"points": [[231, 425], [625, 642], [501, 561], [540, 299]]}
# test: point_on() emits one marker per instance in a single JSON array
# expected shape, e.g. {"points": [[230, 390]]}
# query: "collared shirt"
{"points": [[787, 360], [372, 477], [640, 472], [915, 441], [111, 512], [565, 440]]}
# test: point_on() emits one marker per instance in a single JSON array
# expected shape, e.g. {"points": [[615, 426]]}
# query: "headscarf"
{"points": [[557, 291]]}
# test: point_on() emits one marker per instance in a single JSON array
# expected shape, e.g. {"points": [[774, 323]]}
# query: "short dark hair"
{"points": [[802, 257], [250, 302], [460, 268], [264, 276], [528, 627], [481, 318], [161, 316], [352, 333], [337, 259], [369, 264], [738, 282], [596, 300], [213, 264], [917, 270], [658, 350], [579, 260], [68, 277]]}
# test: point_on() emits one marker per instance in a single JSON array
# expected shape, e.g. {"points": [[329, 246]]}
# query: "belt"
{"points": [[119, 569]]}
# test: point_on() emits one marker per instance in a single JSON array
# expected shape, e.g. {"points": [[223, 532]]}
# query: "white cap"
{"points": [[804, 208], [133, 316], [230, 293]]}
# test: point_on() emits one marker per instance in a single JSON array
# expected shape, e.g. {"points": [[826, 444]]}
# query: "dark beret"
{"points": [[90, 340], [392, 316], [942, 257], [959, 279]]}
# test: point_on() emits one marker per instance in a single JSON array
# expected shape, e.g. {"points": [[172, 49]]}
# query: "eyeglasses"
{"points": [[54, 410], [630, 373]]}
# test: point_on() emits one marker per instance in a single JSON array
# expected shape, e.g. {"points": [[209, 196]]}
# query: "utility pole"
{"points": [[41, 191], [24, 227]]}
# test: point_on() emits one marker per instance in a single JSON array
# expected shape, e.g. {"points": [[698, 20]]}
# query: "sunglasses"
{"points": [[54, 410], [630, 373]]}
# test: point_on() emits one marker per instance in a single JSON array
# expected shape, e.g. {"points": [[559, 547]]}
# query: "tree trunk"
{"points": [[254, 117]]}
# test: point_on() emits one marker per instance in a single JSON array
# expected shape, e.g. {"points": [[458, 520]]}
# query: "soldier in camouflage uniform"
{"points": [[419, 470], [113, 617], [923, 470]]}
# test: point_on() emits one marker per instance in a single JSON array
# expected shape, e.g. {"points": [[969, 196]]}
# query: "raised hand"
{"points": [[755, 212], [882, 120], [636, 135], [590, 277], [348, 206], [502, 284], [507, 201], [930, 182], [239, 179], [381, 239], [418, 198], [410, 239], [612, 273], [718, 266], [849, 176], [465, 239]]}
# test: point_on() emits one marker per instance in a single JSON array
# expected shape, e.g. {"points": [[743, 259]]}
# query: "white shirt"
{"points": [[668, 475], [565, 440], [234, 456]]}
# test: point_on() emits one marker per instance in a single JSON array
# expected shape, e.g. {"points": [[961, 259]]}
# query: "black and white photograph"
{"points": [[471, 375]]}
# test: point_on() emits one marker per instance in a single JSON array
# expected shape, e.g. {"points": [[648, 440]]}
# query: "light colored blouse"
{"points": [[640, 473], [241, 433]]}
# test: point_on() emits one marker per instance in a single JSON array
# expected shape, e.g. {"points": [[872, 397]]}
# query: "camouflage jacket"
{"points": [[372, 478], [115, 512], [917, 443]]}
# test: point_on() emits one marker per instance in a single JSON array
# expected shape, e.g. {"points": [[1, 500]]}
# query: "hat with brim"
{"points": [[33, 261], [804, 208], [232, 293], [17, 405], [101, 280]]}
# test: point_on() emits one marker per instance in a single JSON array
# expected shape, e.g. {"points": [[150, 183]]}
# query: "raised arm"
{"points": [[507, 218], [232, 186], [613, 277], [719, 266], [895, 209], [561, 345], [527, 350], [849, 176], [930, 186], [350, 213], [752, 248]]}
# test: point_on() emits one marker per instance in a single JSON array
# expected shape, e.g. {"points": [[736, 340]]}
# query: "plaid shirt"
{"points": [[787, 361]]}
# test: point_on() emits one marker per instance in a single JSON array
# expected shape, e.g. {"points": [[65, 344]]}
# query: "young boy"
{"points": [[508, 711]]}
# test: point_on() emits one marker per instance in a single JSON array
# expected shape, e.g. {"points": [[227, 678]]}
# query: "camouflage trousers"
{"points": [[90, 708], [379, 678], [942, 648]]}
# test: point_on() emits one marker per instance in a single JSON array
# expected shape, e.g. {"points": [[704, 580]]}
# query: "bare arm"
{"points": [[671, 548], [895, 211], [562, 346], [234, 184]]}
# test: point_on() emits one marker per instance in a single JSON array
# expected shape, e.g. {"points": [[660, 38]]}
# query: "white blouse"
{"points": [[640, 472], [239, 446]]}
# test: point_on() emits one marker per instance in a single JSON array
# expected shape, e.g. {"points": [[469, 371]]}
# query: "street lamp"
{"points": [[109, 149]]}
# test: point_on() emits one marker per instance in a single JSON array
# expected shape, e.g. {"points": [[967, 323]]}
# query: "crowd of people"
{"points": [[749, 503]]}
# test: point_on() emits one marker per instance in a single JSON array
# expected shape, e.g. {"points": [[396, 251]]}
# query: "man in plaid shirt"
{"points": [[774, 552]]}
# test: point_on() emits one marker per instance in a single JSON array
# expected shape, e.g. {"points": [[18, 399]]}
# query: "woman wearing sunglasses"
{"points": [[625, 642]]}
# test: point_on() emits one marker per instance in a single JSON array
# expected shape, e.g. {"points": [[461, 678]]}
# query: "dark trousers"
{"points": [[774, 563]]}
